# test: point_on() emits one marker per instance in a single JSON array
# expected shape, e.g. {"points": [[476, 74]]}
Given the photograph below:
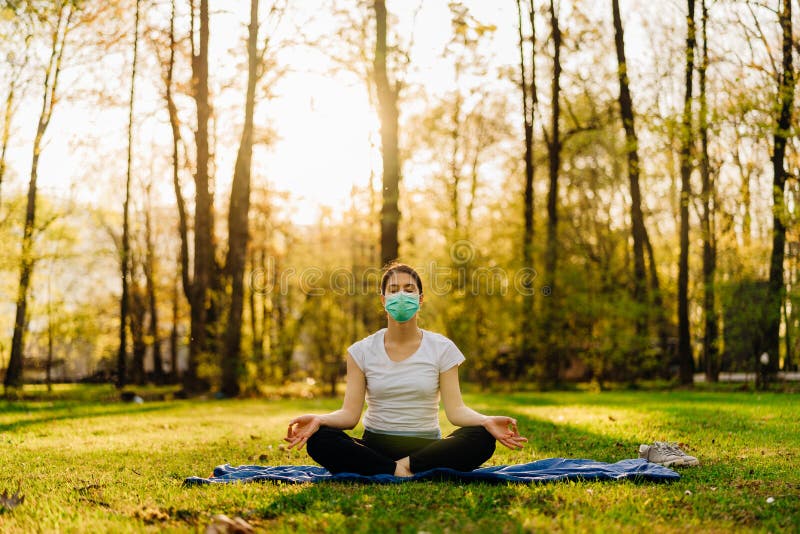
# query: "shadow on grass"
{"points": [[567, 440], [384, 508], [76, 413], [648, 398]]}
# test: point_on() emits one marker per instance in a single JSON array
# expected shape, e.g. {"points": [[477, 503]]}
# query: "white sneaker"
{"points": [[666, 454]]}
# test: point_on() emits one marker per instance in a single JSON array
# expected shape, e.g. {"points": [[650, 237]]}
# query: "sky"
{"points": [[328, 138]]}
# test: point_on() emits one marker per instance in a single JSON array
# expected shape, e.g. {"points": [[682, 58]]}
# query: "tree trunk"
{"points": [[685, 359], [176, 140], [50, 335], [267, 347], [283, 341], [711, 335], [137, 315], [745, 173], [786, 85], [204, 265], [658, 311], [257, 335], [387, 104], [150, 274], [787, 338], [455, 171], [239, 210], [552, 364], [13, 378], [631, 147], [529, 100], [181, 204], [126, 241], [174, 374]]}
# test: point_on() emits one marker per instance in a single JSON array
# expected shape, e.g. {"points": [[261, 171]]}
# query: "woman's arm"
{"points": [[503, 428], [303, 427], [457, 412], [350, 413]]}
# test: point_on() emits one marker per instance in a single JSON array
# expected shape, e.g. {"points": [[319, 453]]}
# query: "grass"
{"points": [[87, 463]]}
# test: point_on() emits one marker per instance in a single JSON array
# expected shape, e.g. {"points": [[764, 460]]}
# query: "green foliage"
{"points": [[86, 462]]}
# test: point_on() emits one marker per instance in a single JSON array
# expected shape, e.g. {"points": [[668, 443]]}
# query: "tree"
{"points": [[136, 319], [150, 271], [387, 106], [124, 302], [552, 363], [60, 19], [529, 101], [685, 358], [238, 220], [711, 330], [174, 372], [638, 230], [781, 134], [198, 286], [183, 224]]}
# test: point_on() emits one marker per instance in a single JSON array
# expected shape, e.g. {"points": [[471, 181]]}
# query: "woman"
{"points": [[402, 370]]}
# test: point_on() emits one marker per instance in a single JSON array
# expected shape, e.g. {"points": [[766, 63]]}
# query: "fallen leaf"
{"points": [[151, 515], [222, 524], [9, 502]]}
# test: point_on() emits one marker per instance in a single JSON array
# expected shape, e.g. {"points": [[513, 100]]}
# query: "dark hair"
{"points": [[397, 267]]}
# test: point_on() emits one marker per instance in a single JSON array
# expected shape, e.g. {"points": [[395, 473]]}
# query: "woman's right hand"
{"points": [[301, 428]]}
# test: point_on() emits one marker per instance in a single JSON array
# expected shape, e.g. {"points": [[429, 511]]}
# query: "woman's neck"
{"points": [[400, 332]]}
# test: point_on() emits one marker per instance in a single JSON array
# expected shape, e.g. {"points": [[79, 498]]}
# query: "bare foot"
{"points": [[403, 468]]}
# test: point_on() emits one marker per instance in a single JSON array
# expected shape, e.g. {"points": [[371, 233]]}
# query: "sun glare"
{"points": [[327, 142]]}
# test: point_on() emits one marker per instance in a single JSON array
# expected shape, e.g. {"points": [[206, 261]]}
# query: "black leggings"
{"points": [[373, 454]]}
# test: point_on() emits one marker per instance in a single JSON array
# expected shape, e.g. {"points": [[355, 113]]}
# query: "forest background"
{"points": [[205, 192]]}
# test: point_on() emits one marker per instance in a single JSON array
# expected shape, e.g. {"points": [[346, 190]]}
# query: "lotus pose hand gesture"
{"points": [[504, 430], [300, 429]]}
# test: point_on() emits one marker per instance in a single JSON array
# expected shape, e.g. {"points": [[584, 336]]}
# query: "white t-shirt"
{"points": [[403, 397]]}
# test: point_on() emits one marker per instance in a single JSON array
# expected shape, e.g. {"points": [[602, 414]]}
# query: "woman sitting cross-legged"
{"points": [[402, 370]]}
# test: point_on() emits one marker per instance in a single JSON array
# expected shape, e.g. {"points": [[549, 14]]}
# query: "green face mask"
{"points": [[402, 306]]}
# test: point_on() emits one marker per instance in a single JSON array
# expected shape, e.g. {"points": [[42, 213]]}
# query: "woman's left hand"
{"points": [[504, 430]]}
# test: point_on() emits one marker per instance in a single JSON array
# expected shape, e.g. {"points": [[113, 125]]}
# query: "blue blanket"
{"points": [[550, 470]]}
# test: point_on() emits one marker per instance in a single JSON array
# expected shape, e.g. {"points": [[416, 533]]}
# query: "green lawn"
{"points": [[87, 463]]}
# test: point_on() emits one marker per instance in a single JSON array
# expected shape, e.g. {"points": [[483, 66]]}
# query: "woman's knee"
{"points": [[480, 439], [319, 440], [487, 442]]}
